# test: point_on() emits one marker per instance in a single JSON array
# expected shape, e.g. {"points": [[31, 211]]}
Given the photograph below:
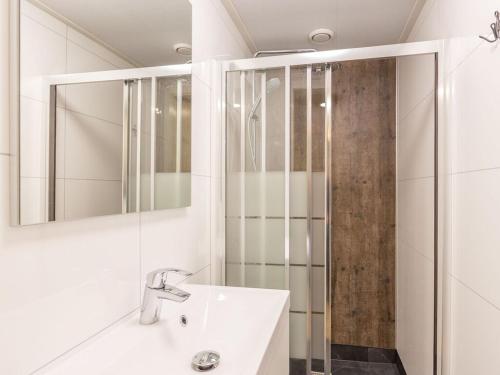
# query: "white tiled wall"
{"points": [[473, 80], [415, 214], [63, 282], [89, 130]]}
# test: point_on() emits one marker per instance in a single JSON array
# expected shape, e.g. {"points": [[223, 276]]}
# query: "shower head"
{"points": [[273, 84]]}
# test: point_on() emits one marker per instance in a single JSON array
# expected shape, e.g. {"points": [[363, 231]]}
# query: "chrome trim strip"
{"points": [[178, 133], [309, 244], [152, 177], [287, 173], [242, 173], [51, 154], [125, 148], [328, 220], [138, 148], [263, 181]]}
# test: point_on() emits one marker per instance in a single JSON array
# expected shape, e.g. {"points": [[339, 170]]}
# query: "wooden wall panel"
{"points": [[364, 151]]}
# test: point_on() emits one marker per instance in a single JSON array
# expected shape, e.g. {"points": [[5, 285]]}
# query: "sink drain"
{"points": [[205, 361]]}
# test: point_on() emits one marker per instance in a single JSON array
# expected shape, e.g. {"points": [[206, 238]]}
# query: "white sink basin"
{"points": [[247, 327]]}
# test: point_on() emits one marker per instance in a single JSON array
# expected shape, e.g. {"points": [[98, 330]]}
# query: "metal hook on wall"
{"points": [[495, 27]]}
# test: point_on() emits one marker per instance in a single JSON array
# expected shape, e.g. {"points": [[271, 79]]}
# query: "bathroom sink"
{"points": [[247, 327]]}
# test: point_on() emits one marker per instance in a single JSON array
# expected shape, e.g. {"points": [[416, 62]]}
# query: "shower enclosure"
{"points": [[322, 150]]}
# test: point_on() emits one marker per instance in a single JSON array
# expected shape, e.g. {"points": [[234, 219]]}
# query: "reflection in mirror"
{"points": [[75, 136]]}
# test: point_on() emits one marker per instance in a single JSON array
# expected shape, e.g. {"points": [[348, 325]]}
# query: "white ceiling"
{"points": [[286, 24], [143, 31]]}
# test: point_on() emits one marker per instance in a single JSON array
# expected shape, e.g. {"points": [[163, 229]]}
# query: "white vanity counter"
{"points": [[247, 327]]}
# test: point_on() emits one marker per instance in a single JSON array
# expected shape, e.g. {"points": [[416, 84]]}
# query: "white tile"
{"points": [[416, 81], [103, 100], [476, 333], [476, 204], [43, 18], [200, 277], [33, 200], [33, 138], [178, 237], [80, 60], [415, 311], [473, 116], [428, 25], [415, 154], [415, 215], [76, 265], [214, 34], [87, 198], [200, 128], [93, 148], [35, 61], [463, 18], [98, 49]]}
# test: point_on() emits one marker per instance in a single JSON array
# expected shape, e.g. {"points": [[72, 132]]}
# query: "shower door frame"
{"points": [[435, 48]]}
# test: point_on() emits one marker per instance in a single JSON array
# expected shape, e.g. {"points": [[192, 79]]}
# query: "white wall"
{"points": [[61, 283], [472, 334]]}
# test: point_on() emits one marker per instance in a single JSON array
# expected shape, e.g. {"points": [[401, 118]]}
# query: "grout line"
{"points": [[415, 178], [476, 293], [83, 179], [4, 154], [91, 116], [414, 249], [475, 171], [427, 96]]}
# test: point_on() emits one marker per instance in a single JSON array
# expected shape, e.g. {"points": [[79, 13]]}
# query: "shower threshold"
{"points": [[354, 360]]}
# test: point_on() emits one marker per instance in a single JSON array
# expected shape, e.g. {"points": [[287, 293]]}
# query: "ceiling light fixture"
{"points": [[320, 36], [183, 49]]}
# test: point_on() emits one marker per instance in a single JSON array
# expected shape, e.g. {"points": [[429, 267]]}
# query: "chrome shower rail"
{"points": [[282, 52]]}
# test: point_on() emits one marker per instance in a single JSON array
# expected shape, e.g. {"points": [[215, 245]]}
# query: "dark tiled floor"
{"points": [[354, 360], [342, 367]]}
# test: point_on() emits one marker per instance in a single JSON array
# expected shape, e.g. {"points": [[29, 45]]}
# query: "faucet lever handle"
{"points": [[158, 278]]}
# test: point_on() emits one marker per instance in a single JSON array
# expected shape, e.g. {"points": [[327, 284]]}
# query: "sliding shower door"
{"points": [[255, 219], [275, 195], [331, 193]]}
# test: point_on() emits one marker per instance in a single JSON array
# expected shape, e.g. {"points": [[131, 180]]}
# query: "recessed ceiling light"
{"points": [[321, 35], [183, 49]]}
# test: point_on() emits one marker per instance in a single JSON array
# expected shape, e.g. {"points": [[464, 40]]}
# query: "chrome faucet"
{"points": [[157, 289]]}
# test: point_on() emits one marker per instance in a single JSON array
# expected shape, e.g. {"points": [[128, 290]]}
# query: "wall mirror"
{"points": [[103, 121]]}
